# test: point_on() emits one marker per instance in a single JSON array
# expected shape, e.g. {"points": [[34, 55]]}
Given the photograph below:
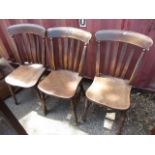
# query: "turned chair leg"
{"points": [[42, 100], [87, 105], [73, 109], [122, 121], [12, 94]]}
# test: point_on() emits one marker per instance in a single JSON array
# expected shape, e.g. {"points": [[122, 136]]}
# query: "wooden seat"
{"points": [[110, 87], [25, 76], [68, 44], [61, 83], [28, 42], [110, 92]]}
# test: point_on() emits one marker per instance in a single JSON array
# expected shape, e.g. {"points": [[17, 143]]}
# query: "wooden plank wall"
{"points": [[146, 75]]}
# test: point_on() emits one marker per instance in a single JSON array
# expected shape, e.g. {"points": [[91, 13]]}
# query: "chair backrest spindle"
{"points": [[72, 43], [125, 45], [29, 42]]}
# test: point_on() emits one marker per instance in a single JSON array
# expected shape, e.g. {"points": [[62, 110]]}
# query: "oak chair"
{"points": [[121, 50], [28, 40], [68, 45]]}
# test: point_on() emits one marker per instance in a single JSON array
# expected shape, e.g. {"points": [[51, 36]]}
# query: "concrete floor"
{"points": [[59, 121]]}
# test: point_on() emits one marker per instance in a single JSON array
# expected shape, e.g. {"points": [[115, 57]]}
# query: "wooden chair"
{"points": [[121, 50], [69, 46], [30, 53]]}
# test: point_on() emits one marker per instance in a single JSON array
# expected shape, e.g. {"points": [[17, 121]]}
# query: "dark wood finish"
{"points": [[110, 92], [12, 119], [72, 43], [13, 94], [61, 83], [29, 42], [30, 46], [130, 37], [146, 74], [87, 105], [153, 131], [26, 28], [114, 92], [43, 105], [122, 121], [123, 41], [73, 109], [25, 76], [71, 48], [69, 32]]}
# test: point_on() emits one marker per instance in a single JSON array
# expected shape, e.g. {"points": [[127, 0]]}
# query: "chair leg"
{"points": [[13, 94], [43, 104], [73, 109], [38, 93], [82, 89], [122, 121], [87, 105]]}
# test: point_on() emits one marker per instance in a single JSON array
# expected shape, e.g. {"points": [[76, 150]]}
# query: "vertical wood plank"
{"points": [[60, 52], [98, 59], [120, 60], [43, 52], [76, 55], [114, 58], [52, 54], [25, 47], [38, 49], [65, 52], [18, 49], [81, 64], [71, 54], [107, 53], [32, 46]]}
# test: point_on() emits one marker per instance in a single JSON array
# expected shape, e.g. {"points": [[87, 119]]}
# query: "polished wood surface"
{"points": [[26, 28], [25, 76], [69, 32], [68, 44], [60, 83], [116, 48], [28, 41], [29, 44], [130, 37], [110, 92], [146, 73]]}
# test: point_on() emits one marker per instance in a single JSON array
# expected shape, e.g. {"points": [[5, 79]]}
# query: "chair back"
{"points": [[68, 46], [29, 42], [119, 50]]}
